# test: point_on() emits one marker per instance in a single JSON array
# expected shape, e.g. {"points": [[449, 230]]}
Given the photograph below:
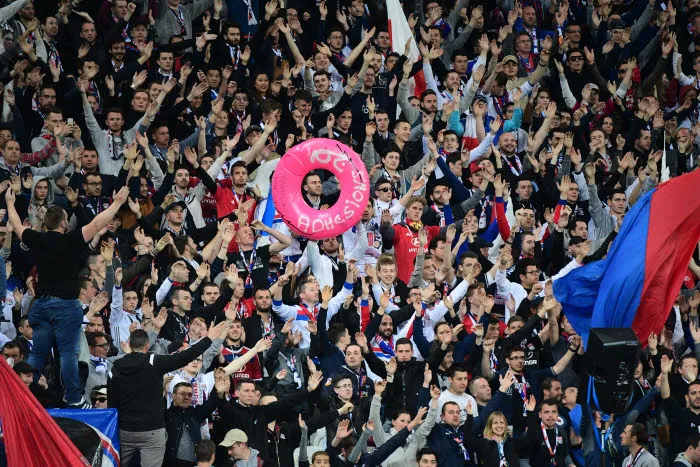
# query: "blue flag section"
{"points": [[637, 283], [268, 217], [94, 432]]}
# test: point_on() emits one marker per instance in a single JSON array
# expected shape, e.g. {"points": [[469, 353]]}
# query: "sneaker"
{"points": [[81, 404]]}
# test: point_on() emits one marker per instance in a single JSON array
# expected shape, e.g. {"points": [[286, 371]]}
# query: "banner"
{"points": [[32, 438], [94, 432]]}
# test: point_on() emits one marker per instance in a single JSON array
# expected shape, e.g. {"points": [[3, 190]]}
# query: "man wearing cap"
{"points": [[579, 72], [237, 443], [99, 398]]}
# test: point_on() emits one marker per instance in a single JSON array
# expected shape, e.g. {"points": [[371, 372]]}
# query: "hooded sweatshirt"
{"points": [[252, 461], [681, 461], [35, 204]]}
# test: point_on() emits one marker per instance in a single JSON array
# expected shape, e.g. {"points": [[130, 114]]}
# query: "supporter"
{"points": [[504, 145]]}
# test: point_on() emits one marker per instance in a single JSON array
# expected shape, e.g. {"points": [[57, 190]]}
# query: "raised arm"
{"points": [[240, 362]]}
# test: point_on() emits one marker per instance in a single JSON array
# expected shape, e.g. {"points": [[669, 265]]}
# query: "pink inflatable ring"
{"points": [[341, 161]]}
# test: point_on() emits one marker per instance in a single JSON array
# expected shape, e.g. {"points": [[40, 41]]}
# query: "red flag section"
{"points": [[673, 235], [32, 438]]}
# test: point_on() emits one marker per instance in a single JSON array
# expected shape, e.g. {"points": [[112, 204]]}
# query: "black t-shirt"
{"points": [[56, 261], [260, 258]]}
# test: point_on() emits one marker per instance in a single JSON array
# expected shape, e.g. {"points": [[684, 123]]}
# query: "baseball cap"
{"points": [[509, 58], [95, 393], [536, 301], [233, 437], [593, 86], [474, 167], [251, 129], [481, 97], [170, 206]]}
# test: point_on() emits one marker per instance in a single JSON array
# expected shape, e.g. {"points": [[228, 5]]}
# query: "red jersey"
{"points": [[406, 246], [252, 369], [227, 200], [245, 308]]}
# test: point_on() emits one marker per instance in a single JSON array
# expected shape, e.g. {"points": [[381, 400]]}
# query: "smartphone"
{"points": [[70, 121]]}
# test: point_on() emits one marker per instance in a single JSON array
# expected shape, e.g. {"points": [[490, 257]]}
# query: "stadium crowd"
{"points": [[138, 142]]}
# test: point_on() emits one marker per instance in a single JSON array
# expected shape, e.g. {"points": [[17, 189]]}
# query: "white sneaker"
{"points": [[81, 404]]}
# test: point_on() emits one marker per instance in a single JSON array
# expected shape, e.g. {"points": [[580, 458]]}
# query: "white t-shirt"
{"points": [[461, 400]]}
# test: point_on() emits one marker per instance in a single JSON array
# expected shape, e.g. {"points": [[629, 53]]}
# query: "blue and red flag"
{"points": [[639, 280]]}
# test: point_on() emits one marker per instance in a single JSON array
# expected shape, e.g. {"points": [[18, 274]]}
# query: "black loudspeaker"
{"points": [[614, 355]]}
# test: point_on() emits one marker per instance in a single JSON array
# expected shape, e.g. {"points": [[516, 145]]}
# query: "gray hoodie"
{"points": [[680, 459], [252, 461], [34, 204]]}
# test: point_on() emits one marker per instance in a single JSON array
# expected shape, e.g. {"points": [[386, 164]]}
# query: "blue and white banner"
{"points": [[94, 432]]}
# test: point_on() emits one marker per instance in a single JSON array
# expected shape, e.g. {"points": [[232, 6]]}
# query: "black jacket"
{"points": [[136, 386], [402, 392], [253, 420], [178, 419]]}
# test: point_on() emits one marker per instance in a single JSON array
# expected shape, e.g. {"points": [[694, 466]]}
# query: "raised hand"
{"points": [[314, 381], [379, 388]]}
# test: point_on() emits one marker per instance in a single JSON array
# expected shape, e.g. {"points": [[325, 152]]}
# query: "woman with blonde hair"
{"points": [[496, 448]]}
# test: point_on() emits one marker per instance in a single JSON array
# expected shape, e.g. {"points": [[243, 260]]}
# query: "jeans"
{"points": [[150, 444], [58, 321]]}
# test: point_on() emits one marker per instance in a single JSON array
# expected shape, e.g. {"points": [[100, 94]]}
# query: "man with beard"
{"points": [[118, 67], [260, 323], [226, 50], [252, 259], [380, 332], [234, 347]]}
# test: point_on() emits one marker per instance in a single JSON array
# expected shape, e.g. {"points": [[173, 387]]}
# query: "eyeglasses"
{"points": [[576, 58], [101, 400], [384, 190], [534, 272]]}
